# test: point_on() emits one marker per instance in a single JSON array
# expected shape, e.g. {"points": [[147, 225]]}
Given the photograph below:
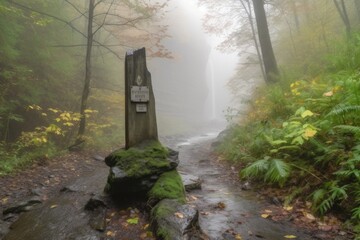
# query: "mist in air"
{"points": [[191, 89]]}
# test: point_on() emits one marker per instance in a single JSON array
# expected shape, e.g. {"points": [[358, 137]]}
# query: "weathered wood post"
{"points": [[140, 116]]}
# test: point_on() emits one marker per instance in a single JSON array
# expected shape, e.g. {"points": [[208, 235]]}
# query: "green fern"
{"points": [[355, 213], [343, 109], [269, 170], [349, 128], [325, 198], [256, 169], [278, 171]]}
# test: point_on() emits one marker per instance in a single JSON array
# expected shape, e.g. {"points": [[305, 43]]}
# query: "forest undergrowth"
{"points": [[302, 134]]}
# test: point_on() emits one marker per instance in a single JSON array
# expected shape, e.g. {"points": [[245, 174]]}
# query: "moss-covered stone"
{"points": [[135, 170], [168, 225], [147, 158], [168, 186]]}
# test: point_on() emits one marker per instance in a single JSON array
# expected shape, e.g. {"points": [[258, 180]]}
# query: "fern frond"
{"points": [[318, 195], [355, 213], [325, 206], [342, 109], [256, 169], [348, 128], [278, 171]]}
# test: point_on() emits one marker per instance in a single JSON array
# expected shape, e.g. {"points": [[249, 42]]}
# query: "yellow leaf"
{"points": [[53, 110], [289, 236], [179, 215], [4, 200], [328, 94], [264, 215], [288, 208], [307, 113], [238, 237], [43, 114], [309, 216], [146, 226], [309, 133], [110, 234], [53, 206]]}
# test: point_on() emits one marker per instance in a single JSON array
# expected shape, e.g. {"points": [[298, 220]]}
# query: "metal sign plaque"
{"points": [[139, 94], [141, 108]]}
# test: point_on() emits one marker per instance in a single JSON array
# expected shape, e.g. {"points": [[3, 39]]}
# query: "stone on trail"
{"points": [[134, 171], [23, 206], [172, 220], [190, 182]]}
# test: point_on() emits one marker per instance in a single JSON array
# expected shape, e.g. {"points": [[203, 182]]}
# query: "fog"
{"points": [[190, 90]]}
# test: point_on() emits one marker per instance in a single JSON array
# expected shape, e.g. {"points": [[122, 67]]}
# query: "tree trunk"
{"points": [[296, 16], [341, 8], [267, 51], [357, 5], [87, 80]]}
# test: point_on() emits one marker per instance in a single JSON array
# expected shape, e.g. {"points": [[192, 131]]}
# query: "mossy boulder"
{"points": [[168, 186], [173, 220], [134, 171]]}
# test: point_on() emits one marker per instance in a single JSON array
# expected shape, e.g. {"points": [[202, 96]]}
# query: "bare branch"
{"points": [[48, 15]]}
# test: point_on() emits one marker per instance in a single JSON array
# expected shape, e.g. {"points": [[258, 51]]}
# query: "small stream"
{"points": [[240, 214]]}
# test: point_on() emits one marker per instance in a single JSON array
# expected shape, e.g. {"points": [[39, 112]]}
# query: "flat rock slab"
{"points": [[63, 217], [191, 182]]}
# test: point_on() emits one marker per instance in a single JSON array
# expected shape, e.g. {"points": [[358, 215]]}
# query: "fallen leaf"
{"points": [[289, 236], [267, 211], [53, 206], [133, 221], [288, 208], [221, 205], [238, 237], [146, 226], [4, 200], [309, 216], [193, 197], [265, 215], [110, 234], [179, 215]]}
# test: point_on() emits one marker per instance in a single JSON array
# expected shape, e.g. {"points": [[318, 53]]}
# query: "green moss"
{"points": [[159, 212], [168, 186], [146, 159]]}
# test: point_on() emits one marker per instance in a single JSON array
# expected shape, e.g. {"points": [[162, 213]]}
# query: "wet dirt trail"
{"points": [[227, 212]]}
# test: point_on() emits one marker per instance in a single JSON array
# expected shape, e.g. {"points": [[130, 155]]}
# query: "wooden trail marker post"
{"points": [[140, 115]]}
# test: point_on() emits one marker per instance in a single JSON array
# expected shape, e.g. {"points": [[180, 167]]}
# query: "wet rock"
{"points": [[172, 220], [98, 219], [4, 228], [246, 186], [37, 192], [134, 171], [95, 202], [191, 182], [22, 206], [98, 158]]}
